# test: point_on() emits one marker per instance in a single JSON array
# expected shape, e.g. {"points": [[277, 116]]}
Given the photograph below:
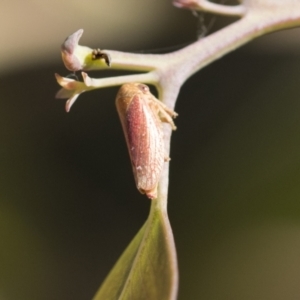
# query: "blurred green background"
{"points": [[68, 202]]}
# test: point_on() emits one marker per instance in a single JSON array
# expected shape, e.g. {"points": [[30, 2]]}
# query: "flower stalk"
{"points": [[168, 72]]}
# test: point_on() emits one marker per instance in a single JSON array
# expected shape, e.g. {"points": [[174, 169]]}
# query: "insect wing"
{"points": [[145, 144]]}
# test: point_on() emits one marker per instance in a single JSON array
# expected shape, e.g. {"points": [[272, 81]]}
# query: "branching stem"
{"points": [[168, 72]]}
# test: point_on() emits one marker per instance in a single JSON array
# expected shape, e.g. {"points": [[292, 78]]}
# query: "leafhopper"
{"points": [[141, 116]]}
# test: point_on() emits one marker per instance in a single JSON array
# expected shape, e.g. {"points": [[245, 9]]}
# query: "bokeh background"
{"points": [[68, 202]]}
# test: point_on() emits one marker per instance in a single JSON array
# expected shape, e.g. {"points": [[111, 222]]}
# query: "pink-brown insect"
{"points": [[141, 115]]}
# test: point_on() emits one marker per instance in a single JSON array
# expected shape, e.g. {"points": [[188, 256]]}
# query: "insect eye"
{"points": [[143, 88]]}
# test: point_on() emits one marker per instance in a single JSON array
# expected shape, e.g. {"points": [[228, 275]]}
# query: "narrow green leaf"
{"points": [[148, 268]]}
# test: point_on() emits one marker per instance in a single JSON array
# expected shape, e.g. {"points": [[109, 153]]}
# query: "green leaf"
{"points": [[148, 267]]}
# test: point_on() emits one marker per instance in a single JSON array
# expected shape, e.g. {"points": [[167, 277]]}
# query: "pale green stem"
{"points": [[169, 71], [97, 83], [185, 62]]}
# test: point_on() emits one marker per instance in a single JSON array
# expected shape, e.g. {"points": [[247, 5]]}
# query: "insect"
{"points": [[98, 54], [141, 116]]}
